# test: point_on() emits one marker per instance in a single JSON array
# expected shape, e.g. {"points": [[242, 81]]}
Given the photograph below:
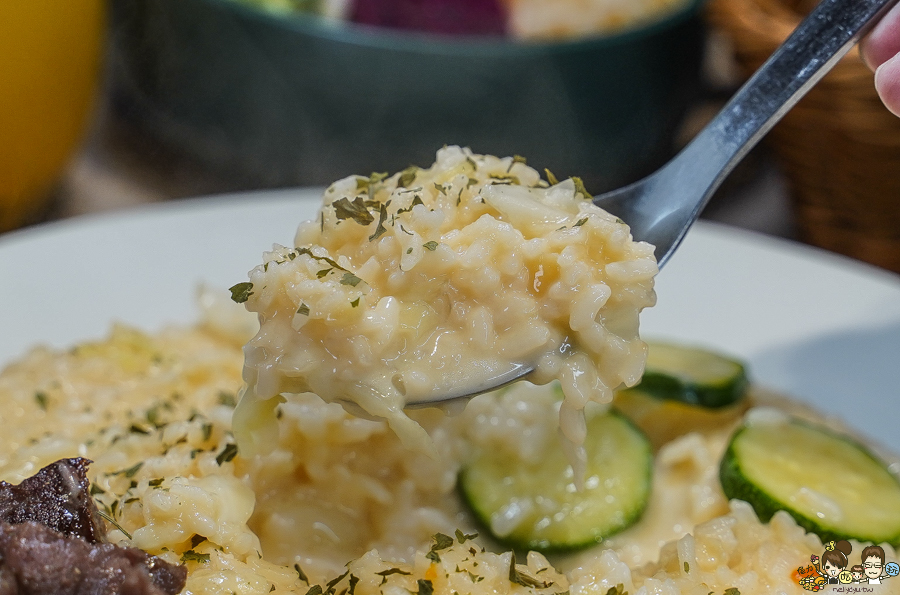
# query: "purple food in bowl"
{"points": [[445, 17]]}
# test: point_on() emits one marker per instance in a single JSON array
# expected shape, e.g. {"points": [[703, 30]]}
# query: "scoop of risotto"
{"points": [[407, 287]]}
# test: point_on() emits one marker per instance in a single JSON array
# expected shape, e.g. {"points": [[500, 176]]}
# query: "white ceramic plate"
{"points": [[816, 326]]}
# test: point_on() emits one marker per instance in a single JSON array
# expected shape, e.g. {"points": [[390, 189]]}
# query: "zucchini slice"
{"points": [[831, 485], [551, 514], [693, 375]]}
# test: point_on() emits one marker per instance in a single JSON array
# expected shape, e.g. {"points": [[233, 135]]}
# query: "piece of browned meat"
{"points": [[52, 542], [58, 496], [36, 560]]}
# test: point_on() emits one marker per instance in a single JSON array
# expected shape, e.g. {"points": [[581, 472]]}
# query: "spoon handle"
{"points": [[814, 47]]}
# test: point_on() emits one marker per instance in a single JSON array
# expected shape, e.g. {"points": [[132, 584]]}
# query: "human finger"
{"points": [[887, 83], [883, 41]]}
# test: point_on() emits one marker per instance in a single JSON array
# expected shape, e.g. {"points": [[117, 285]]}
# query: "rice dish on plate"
{"points": [[154, 414], [339, 505]]}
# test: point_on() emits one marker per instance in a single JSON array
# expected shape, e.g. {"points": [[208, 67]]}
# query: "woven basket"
{"points": [[839, 147]]}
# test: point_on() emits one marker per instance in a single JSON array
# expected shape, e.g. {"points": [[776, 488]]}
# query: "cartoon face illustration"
{"points": [[834, 559], [873, 561], [857, 574], [872, 566]]}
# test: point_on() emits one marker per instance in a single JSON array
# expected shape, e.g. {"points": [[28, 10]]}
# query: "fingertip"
{"points": [[883, 41], [887, 83]]}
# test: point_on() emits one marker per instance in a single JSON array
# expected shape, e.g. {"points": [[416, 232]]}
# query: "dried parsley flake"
{"points": [[228, 453], [300, 574], [241, 292], [579, 187], [350, 279], [407, 176], [356, 210], [426, 587], [192, 556]]}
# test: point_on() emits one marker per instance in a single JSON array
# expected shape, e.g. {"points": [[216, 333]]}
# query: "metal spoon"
{"points": [[662, 207]]}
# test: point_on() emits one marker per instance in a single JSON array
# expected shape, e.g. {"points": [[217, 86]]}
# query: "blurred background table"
{"points": [[118, 169], [119, 165]]}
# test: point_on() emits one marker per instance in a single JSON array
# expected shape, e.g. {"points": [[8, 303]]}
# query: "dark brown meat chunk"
{"points": [[58, 496], [37, 560]]}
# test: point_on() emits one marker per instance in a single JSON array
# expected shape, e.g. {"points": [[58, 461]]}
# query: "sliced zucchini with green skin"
{"points": [[554, 516], [693, 375], [831, 485]]}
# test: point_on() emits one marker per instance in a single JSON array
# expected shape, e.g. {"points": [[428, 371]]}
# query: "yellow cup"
{"points": [[50, 55]]}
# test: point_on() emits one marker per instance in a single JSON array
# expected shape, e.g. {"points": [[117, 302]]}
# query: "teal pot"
{"points": [[272, 100]]}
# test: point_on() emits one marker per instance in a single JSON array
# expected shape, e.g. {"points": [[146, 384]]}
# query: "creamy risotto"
{"points": [[154, 413], [296, 495], [408, 287]]}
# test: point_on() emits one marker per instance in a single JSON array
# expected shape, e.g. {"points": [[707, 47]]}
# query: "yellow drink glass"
{"points": [[50, 55]]}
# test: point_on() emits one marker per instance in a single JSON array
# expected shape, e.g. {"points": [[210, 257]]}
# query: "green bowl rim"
{"points": [[452, 45]]}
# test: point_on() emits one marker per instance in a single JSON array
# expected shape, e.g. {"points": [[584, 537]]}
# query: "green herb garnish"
{"points": [[550, 177], [303, 309], [430, 246], [228, 453], [417, 200], [41, 398], [300, 574], [407, 176], [350, 279], [330, 585], [380, 229], [441, 541], [356, 210], [136, 429], [506, 178], [115, 524], [426, 587], [129, 472], [579, 187], [192, 556], [241, 292], [522, 578]]}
